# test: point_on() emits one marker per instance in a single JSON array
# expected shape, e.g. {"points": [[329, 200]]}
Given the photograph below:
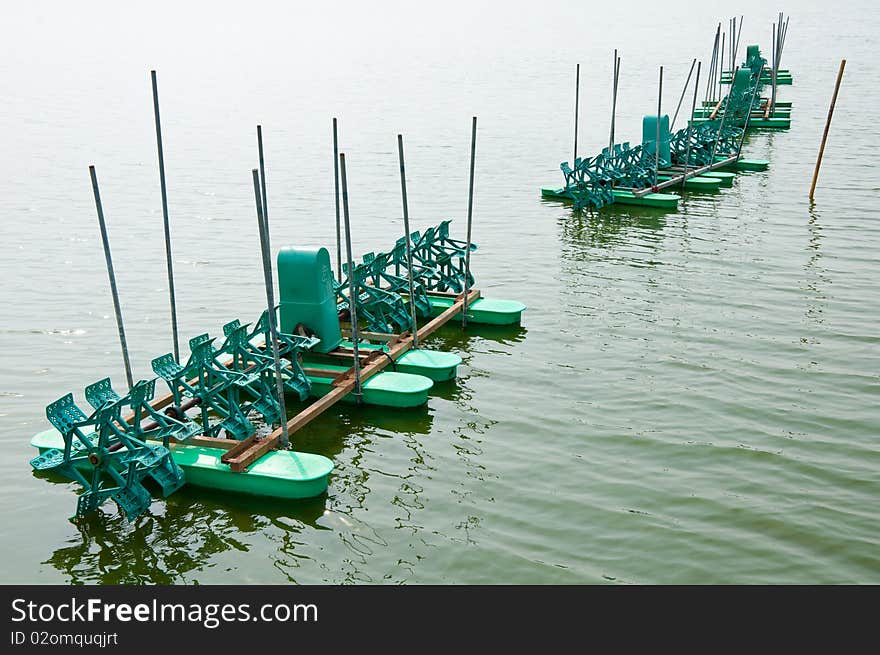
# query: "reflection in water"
{"points": [[176, 539], [610, 225], [452, 338], [182, 536], [816, 275]]}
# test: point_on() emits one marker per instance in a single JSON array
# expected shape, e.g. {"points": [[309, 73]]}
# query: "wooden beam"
{"points": [[715, 111], [324, 373], [244, 458], [372, 336], [210, 442], [339, 353], [443, 294], [441, 319], [240, 447], [343, 386]]}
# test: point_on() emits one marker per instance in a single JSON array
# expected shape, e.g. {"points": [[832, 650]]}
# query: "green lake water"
{"points": [[692, 396]]}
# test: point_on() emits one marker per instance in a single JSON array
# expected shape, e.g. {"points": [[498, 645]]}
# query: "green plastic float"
{"points": [[483, 311], [702, 183], [385, 389]]}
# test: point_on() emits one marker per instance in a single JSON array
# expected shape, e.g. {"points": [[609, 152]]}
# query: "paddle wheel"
{"points": [[107, 452]]}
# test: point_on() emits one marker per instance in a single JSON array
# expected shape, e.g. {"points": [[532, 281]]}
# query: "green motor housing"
{"points": [[305, 283], [649, 137]]}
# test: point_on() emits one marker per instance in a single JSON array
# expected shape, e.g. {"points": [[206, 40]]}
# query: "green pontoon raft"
{"points": [[704, 156], [483, 311], [667, 201], [204, 431], [278, 474]]}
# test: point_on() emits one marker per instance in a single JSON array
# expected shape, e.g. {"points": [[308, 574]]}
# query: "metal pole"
{"points": [[773, 71], [738, 34], [779, 27], [782, 39], [732, 39], [110, 273], [577, 89], [352, 290], [336, 177], [827, 125], [742, 137], [721, 71], [687, 156], [710, 78], [266, 252], [723, 116], [614, 99], [467, 254], [711, 71], [263, 179], [683, 91], [780, 43], [165, 217], [406, 237], [657, 142]]}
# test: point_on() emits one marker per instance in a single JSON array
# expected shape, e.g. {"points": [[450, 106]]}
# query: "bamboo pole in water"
{"points": [[168, 261], [827, 125], [113, 291]]}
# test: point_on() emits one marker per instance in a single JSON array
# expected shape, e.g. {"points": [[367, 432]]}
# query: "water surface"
{"points": [[692, 397]]}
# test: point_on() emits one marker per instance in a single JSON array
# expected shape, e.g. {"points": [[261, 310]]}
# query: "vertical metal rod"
{"points": [[614, 99], [336, 177], [577, 90], [112, 276], [406, 236], [736, 44], [782, 39], [779, 26], [773, 71], [657, 142], [827, 125], [780, 43], [742, 137], [710, 77], [721, 71], [168, 261], [266, 253], [352, 288], [732, 41], [263, 179], [723, 116], [683, 91], [687, 156], [467, 254]]}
